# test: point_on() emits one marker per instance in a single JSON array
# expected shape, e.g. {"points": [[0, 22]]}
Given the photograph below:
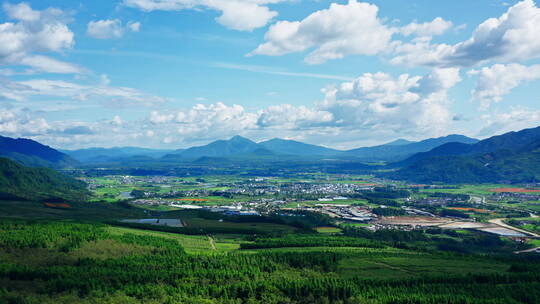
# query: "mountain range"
{"points": [[240, 146], [514, 156], [96, 155], [511, 157]]}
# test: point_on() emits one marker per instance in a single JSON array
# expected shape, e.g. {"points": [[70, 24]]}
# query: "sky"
{"points": [[171, 74]]}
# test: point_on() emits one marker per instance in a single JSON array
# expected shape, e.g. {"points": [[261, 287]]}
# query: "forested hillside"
{"points": [[512, 157], [91, 263], [34, 154], [20, 182]]}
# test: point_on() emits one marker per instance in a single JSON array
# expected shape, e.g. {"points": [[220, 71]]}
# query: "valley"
{"points": [[231, 223]]}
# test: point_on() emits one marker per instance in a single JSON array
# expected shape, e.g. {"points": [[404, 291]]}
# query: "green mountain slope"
{"points": [[220, 148], [391, 152], [34, 154], [511, 157], [20, 182], [113, 154]]}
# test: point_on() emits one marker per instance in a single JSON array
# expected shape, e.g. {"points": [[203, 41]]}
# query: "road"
{"points": [[500, 222], [528, 250]]}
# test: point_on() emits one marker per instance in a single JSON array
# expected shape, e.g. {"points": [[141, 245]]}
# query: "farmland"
{"points": [[314, 238]]}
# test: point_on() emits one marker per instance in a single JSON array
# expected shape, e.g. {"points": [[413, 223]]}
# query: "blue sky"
{"points": [[344, 74]]}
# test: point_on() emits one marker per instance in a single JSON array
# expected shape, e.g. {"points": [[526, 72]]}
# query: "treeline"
{"points": [[457, 196], [67, 236], [382, 195], [311, 241], [432, 240], [304, 220]]}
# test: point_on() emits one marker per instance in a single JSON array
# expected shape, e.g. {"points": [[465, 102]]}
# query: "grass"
{"points": [[480, 189], [355, 225], [195, 244], [535, 243], [329, 230]]}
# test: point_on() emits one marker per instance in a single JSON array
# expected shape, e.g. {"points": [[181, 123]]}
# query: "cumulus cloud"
{"points": [[343, 29], [496, 81], [19, 123], [516, 119], [427, 29], [514, 36], [203, 121], [371, 106], [380, 103], [291, 117], [35, 31], [242, 15], [340, 30], [117, 120], [110, 28]]}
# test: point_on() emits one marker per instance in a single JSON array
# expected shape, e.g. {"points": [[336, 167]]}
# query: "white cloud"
{"points": [[117, 120], [377, 104], [157, 118], [242, 15], [340, 30], [427, 29], [516, 119], [205, 121], [371, 107], [46, 64], [102, 92], [512, 37], [134, 26], [110, 28], [291, 117], [498, 80], [35, 31], [15, 122]]}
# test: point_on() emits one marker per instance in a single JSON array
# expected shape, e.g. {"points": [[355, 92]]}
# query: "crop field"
{"points": [[470, 209], [330, 230], [516, 190], [479, 189], [199, 244], [209, 200]]}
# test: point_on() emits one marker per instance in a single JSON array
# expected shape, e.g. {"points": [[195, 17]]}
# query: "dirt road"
{"points": [[499, 222]]}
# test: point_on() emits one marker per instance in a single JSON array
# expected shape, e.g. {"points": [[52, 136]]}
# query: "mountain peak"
{"points": [[239, 138]]}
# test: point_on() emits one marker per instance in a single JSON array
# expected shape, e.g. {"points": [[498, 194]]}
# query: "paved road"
{"points": [[500, 222], [528, 250]]}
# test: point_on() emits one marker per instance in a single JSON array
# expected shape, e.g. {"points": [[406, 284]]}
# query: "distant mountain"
{"points": [[21, 182], [220, 148], [399, 142], [31, 153], [510, 141], [99, 155], [399, 150], [511, 157], [291, 147]]}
